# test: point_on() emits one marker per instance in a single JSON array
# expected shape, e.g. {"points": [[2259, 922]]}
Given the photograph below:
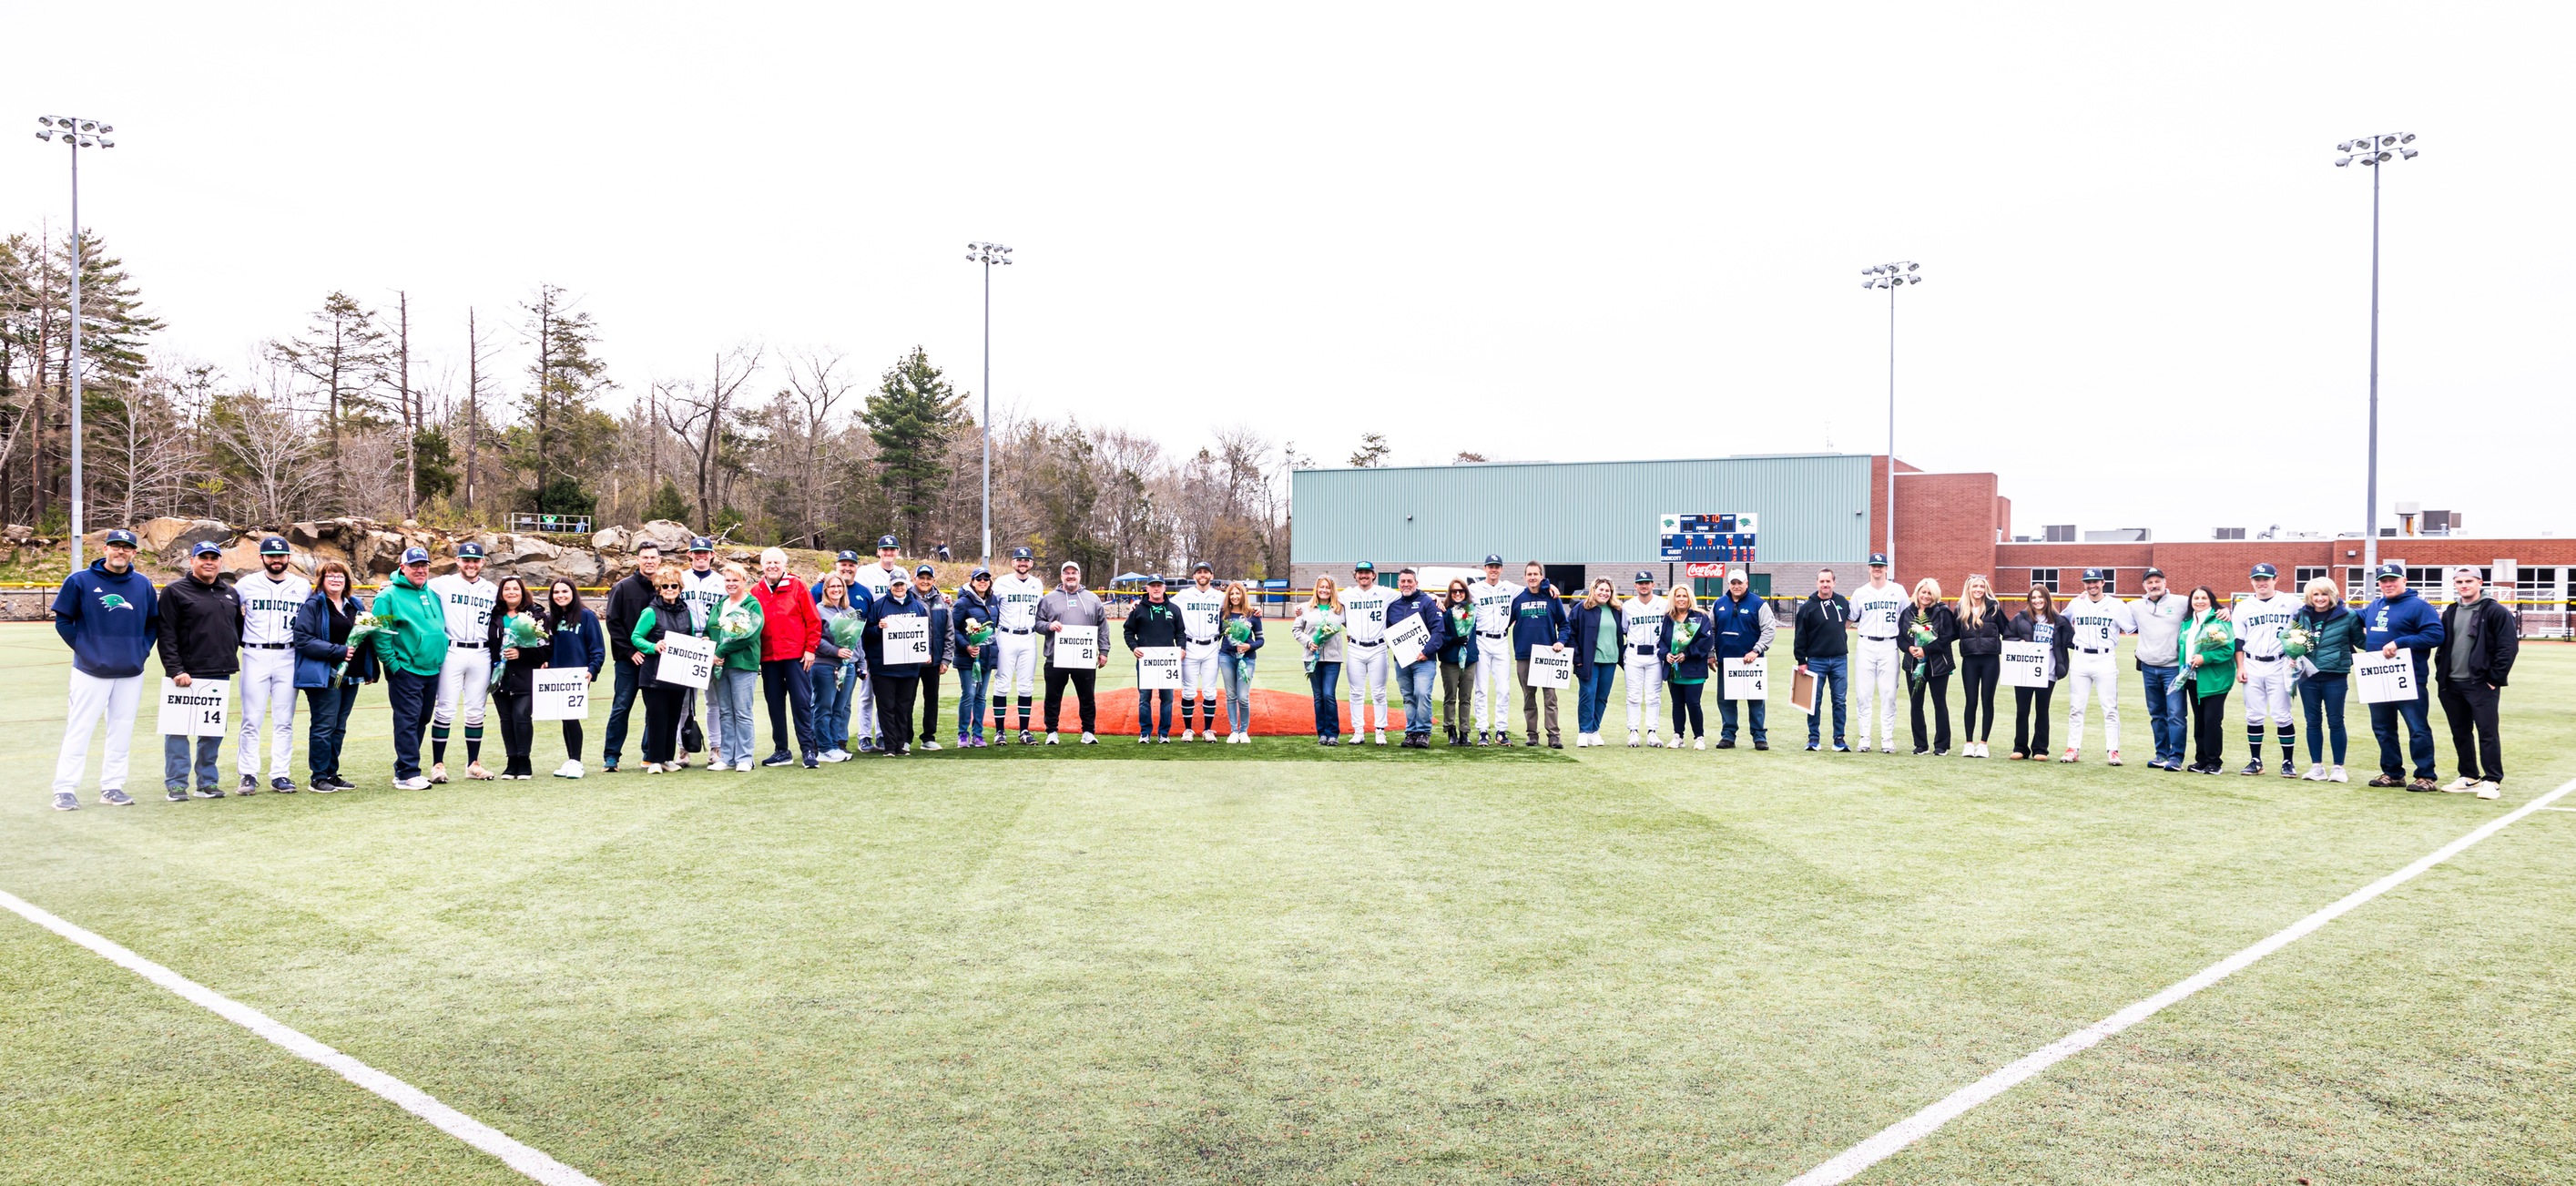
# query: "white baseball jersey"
{"points": [[700, 591], [2260, 621], [2098, 625], [1018, 598], [1200, 609], [467, 604], [1493, 605], [1875, 610], [877, 577], [1364, 613], [1645, 619], [269, 605]]}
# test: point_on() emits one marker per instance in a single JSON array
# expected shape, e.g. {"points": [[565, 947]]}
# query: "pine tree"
{"points": [[343, 352], [565, 432], [667, 503], [910, 417]]}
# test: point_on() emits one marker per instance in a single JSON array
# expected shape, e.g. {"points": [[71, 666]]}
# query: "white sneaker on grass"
{"points": [[928, 744], [2336, 775], [1050, 737], [2462, 785], [2488, 790], [2316, 772], [741, 767], [417, 783], [570, 769], [1699, 743], [1087, 739]]}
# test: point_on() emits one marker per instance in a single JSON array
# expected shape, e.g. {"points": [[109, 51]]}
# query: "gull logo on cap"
{"points": [[1022, 554], [1878, 560], [2266, 570]]}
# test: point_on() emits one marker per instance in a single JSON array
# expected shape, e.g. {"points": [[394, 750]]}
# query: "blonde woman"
{"points": [[1981, 646], [736, 623], [1686, 642], [1238, 639], [1926, 629], [1319, 630]]}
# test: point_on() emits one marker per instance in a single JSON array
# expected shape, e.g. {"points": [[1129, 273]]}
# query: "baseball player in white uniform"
{"points": [[701, 588], [1640, 665], [270, 599], [1365, 662], [466, 676], [2098, 620], [2267, 674], [1875, 608], [1015, 597], [1201, 607], [1492, 598], [877, 577]]}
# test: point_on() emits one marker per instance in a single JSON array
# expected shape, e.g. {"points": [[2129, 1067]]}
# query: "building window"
{"points": [[2305, 575], [2044, 578], [2357, 585], [2110, 580]]}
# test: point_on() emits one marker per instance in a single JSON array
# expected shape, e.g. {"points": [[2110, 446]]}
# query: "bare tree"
{"points": [[698, 414], [817, 387], [272, 447], [140, 454]]}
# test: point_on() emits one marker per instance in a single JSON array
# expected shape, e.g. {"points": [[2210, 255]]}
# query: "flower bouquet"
{"points": [[735, 623], [1324, 629], [978, 632], [2214, 635], [846, 631], [1682, 636], [2296, 643], [522, 631], [1923, 636], [361, 628]]}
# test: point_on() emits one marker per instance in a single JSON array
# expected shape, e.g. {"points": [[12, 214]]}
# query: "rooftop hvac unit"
{"points": [[2227, 533], [2058, 533]]}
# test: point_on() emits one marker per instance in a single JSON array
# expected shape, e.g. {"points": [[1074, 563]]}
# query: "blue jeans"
{"points": [[1326, 680], [330, 712], [2419, 729], [832, 684], [2323, 696], [1237, 674], [2167, 717], [174, 762], [412, 698], [1837, 673], [971, 679], [620, 702], [1146, 699], [734, 693], [1761, 733], [1414, 683], [1592, 695]]}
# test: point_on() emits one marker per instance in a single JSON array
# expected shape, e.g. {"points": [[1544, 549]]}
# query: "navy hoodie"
{"points": [[109, 620], [2405, 620]]}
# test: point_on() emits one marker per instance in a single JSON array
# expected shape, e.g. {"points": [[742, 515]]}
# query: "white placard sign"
{"points": [[1158, 667], [1550, 668], [196, 710], [559, 694], [906, 638], [2385, 681], [2028, 665], [1407, 638], [1747, 677], [687, 660], [1076, 646]]}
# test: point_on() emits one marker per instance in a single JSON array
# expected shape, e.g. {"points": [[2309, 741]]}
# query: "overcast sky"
{"points": [[1561, 232]]}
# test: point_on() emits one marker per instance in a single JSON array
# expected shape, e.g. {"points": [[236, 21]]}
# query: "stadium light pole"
{"points": [[2372, 152], [1891, 277], [988, 254], [76, 135]]}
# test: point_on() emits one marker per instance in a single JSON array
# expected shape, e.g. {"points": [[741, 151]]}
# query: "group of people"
{"points": [[866, 647]]}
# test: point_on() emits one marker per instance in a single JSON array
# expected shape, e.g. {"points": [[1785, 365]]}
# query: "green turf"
{"points": [[1612, 965]]}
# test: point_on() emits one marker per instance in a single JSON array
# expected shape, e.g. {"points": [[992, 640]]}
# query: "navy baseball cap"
{"points": [[2092, 574], [1022, 554], [981, 573], [1364, 566], [887, 541], [415, 556], [273, 546], [701, 544], [1202, 566], [2157, 572], [897, 578], [848, 555], [2266, 570], [1644, 577], [923, 571], [206, 547], [1155, 579], [122, 538], [469, 550], [2388, 571], [1878, 560], [1491, 558]]}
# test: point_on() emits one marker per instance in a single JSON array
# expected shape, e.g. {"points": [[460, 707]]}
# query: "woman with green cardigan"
{"points": [[734, 687], [2209, 651], [2323, 637]]}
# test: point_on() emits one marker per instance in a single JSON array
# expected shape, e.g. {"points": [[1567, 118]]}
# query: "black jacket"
{"points": [[673, 618], [201, 629], [1945, 630], [2491, 656], [2025, 628], [514, 672], [1818, 633], [1985, 638], [626, 603], [1154, 624]]}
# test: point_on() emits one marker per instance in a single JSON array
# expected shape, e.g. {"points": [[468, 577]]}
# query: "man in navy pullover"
{"points": [[2400, 619], [1414, 680], [110, 616], [1538, 620]]}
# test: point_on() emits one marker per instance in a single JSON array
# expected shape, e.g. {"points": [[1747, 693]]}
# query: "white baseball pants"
{"points": [[2267, 690], [1365, 668], [1200, 682], [2086, 674], [1492, 705], [465, 679], [267, 687], [92, 696], [1873, 681], [1016, 670], [1645, 676]]}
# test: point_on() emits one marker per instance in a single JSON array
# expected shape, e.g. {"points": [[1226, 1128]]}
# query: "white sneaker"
{"points": [[2488, 790], [836, 754], [570, 769], [2336, 776], [1210, 735], [414, 783], [2316, 772], [1087, 739], [1650, 739], [1699, 743], [1144, 739], [2462, 785], [652, 767], [927, 743], [1860, 745], [1186, 735], [741, 767], [1050, 738], [1632, 739], [1381, 737]]}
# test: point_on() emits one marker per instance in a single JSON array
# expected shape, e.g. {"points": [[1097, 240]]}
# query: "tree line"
{"points": [[361, 410]]}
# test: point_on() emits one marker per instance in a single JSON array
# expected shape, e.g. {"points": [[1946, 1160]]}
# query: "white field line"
{"points": [[411, 1099], [1848, 1164]]}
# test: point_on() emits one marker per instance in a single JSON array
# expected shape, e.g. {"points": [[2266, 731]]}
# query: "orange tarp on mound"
{"points": [[1274, 714]]}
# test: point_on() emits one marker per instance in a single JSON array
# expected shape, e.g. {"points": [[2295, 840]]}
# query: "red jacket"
{"points": [[789, 627]]}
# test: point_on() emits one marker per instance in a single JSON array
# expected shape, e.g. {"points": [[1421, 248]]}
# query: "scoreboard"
{"points": [[1715, 537]]}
